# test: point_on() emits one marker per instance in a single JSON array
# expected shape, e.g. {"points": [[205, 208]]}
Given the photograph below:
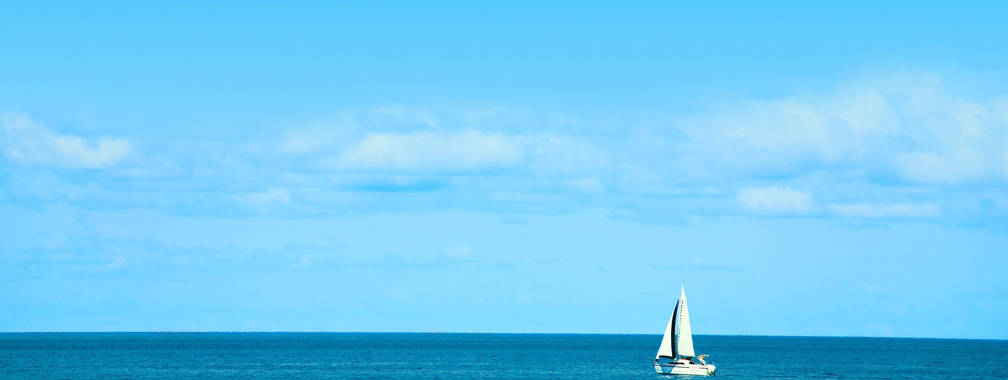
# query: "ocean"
{"points": [[491, 356]]}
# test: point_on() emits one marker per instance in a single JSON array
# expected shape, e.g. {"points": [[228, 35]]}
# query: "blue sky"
{"points": [[834, 168]]}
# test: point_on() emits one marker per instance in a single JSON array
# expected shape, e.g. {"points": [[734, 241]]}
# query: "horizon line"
{"points": [[469, 332]]}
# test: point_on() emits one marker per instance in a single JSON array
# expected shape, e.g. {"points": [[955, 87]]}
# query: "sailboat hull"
{"points": [[684, 369]]}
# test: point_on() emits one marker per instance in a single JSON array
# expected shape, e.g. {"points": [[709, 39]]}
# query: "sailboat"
{"points": [[675, 355]]}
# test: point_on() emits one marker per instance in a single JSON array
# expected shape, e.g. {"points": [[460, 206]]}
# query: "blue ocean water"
{"points": [[494, 356]]}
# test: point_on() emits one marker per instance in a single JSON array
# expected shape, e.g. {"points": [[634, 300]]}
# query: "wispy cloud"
{"points": [[587, 185], [459, 252], [464, 151], [269, 197], [782, 200], [29, 143], [887, 211], [707, 264], [904, 127], [893, 146]]}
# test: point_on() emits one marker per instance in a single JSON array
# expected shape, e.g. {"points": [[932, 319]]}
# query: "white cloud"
{"points": [[321, 136], [465, 151], [270, 197], [403, 115], [458, 252], [587, 185], [878, 148], [553, 153], [904, 126], [117, 262], [24, 141], [775, 200], [887, 211], [703, 263]]}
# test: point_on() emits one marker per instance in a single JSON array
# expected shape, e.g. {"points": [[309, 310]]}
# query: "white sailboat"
{"points": [[675, 355]]}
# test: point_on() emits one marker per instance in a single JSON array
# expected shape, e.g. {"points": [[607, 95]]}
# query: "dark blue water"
{"points": [[462, 356]]}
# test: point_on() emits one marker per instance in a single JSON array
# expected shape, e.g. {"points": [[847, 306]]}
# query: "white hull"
{"points": [[684, 369]]}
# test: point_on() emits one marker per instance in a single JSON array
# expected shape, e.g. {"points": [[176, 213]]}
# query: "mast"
{"points": [[684, 335]]}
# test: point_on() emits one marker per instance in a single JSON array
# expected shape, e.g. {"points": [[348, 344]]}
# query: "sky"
{"points": [[829, 168]]}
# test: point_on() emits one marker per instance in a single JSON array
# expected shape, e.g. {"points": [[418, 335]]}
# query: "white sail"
{"points": [[684, 336], [667, 349]]}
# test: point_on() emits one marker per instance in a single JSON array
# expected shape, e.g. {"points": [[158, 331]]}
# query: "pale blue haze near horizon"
{"points": [[826, 168]]}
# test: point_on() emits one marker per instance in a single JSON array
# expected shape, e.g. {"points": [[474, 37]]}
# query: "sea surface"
{"points": [[490, 356]]}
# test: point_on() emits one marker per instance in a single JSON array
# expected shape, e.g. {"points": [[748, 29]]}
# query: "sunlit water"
{"points": [[463, 356]]}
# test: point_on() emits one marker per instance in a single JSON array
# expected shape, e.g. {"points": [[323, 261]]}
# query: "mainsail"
{"points": [[684, 336]]}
